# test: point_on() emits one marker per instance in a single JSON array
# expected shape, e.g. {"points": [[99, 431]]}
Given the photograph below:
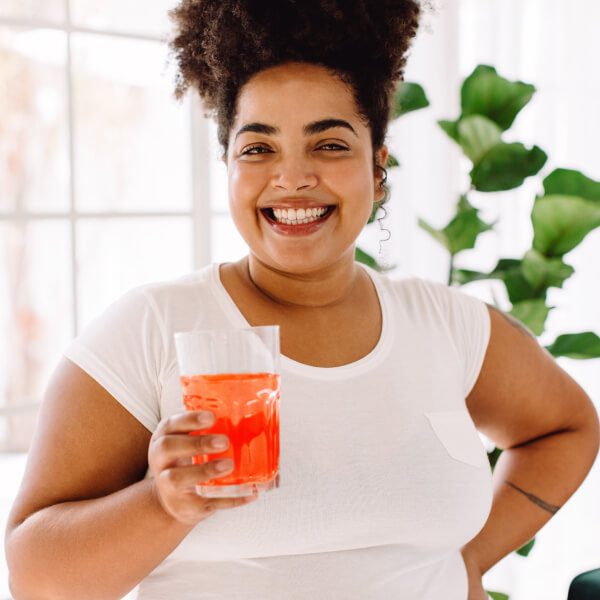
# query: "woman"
{"points": [[386, 488]]}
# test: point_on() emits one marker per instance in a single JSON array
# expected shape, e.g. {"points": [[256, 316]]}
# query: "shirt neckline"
{"points": [[366, 363]]}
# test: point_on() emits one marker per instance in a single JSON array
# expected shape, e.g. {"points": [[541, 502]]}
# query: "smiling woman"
{"points": [[384, 477]]}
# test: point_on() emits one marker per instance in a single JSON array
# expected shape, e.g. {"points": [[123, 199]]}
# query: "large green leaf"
{"points": [[561, 222], [493, 457], [408, 97], [392, 161], [450, 127], [464, 276], [584, 345], [542, 273], [566, 182], [498, 595], [362, 257], [532, 313], [503, 266], [526, 549], [506, 166], [517, 286], [477, 135], [461, 233], [510, 271], [485, 93]]}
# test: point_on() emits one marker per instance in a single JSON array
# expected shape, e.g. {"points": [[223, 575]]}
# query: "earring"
{"points": [[382, 184], [383, 261]]}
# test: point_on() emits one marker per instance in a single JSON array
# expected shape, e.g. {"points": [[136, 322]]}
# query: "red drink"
{"points": [[246, 409]]}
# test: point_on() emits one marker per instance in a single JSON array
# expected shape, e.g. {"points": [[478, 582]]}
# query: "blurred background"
{"points": [[106, 182]]}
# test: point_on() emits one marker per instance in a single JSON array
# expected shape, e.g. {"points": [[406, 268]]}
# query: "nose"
{"points": [[294, 173]]}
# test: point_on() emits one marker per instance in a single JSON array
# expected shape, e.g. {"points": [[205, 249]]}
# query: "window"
{"points": [[97, 190]]}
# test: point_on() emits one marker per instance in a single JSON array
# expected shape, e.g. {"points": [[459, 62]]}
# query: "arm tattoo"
{"points": [[514, 322], [549, 507]]}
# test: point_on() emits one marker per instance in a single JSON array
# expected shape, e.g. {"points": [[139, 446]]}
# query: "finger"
{"points": [[185, 422], [212, 504], [177, 449], [182, 479]]}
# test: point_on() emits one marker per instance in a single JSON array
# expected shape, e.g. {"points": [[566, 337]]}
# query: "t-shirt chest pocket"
{"points": [[457, 433]]}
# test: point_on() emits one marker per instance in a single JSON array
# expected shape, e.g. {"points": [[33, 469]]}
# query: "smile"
{"points": [[300, 224]]}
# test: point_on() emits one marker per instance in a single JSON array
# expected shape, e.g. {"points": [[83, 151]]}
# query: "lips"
{"points": [[297, 203], [293, 230]]}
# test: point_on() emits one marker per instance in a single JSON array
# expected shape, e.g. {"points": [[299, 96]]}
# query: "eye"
{"points": [[332, 148], [249, 150], [336, 147]]}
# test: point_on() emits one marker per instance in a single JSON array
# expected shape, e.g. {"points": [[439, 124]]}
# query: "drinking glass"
{"points": [[234, 373]]}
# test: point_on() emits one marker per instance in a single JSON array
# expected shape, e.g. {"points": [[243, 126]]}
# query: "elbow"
{"points": [[21, 583], [589, 430]]}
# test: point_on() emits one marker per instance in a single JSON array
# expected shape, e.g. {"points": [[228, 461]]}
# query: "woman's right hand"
{"points": [[175, 477]]}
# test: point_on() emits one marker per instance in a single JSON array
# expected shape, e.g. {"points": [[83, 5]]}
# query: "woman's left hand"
{"points": [[476, 589]]}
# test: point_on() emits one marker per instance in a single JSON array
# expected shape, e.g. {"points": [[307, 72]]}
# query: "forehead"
{"points": [[295, 92]]}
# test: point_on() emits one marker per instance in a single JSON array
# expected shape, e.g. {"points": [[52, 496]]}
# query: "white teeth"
{"points": [[291, 216]]}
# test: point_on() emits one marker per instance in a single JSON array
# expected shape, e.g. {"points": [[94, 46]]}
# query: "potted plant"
{"points": [[565, 211]]}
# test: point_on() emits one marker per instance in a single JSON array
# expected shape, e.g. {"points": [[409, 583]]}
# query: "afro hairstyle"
{"points": [[219, 45]]}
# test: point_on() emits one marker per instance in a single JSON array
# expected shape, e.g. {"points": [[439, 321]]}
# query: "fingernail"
{"points": [[219, 443], [224, 465], [206, 417]]}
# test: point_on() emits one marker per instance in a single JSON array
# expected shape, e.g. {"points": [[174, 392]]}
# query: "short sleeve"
{"points": [[469, 325], [123, 350]]}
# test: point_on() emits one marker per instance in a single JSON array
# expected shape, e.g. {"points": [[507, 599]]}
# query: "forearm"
{"points": [[547, 472], [98, 548]]}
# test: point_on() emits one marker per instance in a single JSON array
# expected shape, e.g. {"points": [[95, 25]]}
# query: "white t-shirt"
{"points": [[383, 476]]}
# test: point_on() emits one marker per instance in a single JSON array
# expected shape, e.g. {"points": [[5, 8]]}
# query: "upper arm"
{"points": [[521, 393], [86, 445]]}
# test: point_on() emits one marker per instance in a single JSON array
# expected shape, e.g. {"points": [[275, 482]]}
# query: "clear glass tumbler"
{"points": [[234, 373]]}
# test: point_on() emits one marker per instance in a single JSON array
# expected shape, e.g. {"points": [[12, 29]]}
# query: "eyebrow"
{"points": [[310, 129]]}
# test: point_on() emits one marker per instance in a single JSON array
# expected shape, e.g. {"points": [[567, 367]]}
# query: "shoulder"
{"points": [[421, 296]]}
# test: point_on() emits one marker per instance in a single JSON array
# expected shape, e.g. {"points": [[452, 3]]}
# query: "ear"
{"points": [[382, 157]]}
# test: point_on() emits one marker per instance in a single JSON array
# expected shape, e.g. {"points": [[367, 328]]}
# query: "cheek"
{"points": [[351, 178], [245, 185]]}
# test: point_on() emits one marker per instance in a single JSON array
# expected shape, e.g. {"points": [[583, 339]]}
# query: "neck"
{"points": [[322, 288]]}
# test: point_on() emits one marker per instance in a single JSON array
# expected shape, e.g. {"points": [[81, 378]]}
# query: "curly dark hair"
{"points": [[220, 44]]}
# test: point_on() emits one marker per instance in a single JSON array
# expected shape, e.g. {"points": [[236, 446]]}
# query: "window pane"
{"points": [[132, 16], [115, 255], [35, 318], [218, 172], [34, 171], [53, 10], [131, 137], [227, 245]]}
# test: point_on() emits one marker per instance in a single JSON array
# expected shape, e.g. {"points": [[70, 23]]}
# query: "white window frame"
{"points": [[201, 213]]}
